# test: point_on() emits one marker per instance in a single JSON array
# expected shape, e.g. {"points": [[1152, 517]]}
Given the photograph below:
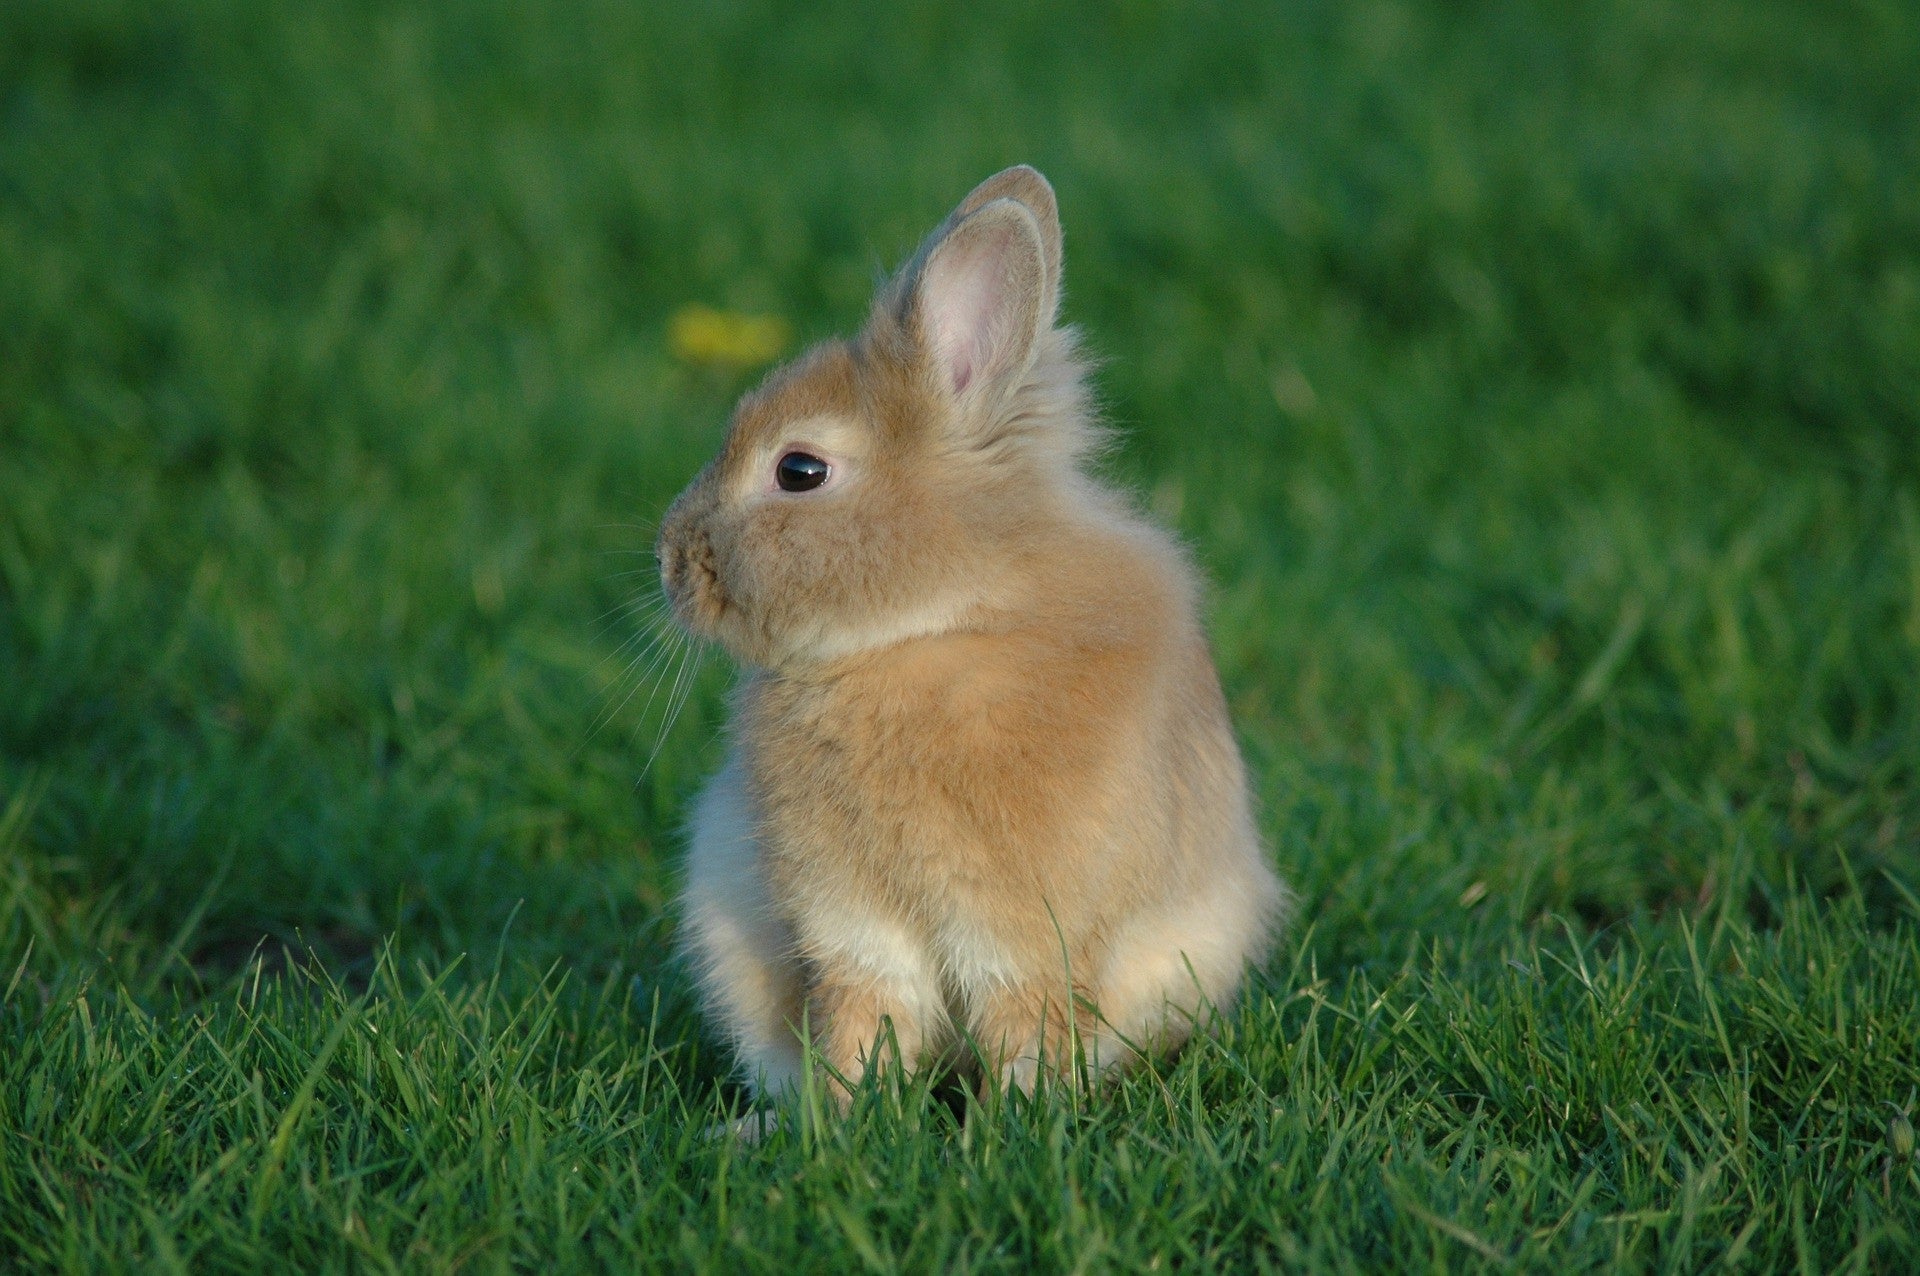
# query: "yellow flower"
{"points": [[703, 335]]}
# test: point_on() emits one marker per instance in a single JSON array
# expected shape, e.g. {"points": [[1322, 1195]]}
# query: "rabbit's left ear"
{"points": [[978, 300]]}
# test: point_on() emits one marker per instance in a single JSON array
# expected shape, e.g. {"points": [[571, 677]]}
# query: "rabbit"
{"points": [[981, 799]]}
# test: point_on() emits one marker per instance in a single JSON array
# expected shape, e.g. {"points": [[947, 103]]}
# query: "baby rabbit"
{"points": [[981, 786]]}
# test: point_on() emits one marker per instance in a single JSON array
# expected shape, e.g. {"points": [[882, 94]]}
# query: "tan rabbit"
{"points": [[982, 787]]}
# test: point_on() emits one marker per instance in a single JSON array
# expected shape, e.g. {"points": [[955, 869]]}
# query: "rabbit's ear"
{"points": [[1026, 186], [977, 300]]}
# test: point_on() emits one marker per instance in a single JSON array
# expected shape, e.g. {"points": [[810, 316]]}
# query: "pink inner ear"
{"points": [[966, 293]]}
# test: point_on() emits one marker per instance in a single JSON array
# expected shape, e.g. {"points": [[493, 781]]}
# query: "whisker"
{"points": [[654, 654], [645, 630], [676, 703], [615, 612], [644, 610], [649, 636], [668, 657]]}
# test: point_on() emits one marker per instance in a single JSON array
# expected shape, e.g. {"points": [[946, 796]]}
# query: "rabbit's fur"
{"points": [[982, 786]]}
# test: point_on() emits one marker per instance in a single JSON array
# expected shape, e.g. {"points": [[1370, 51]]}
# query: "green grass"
{"points": [[1539, 384]]}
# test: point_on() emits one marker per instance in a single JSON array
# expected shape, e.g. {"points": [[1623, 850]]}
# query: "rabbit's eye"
{"points": [[799, 472]]}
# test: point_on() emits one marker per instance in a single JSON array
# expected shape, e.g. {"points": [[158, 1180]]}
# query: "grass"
{"points": [[1541, 387]]}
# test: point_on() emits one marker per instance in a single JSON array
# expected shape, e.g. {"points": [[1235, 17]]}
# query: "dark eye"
{"points": [[799, 472]]}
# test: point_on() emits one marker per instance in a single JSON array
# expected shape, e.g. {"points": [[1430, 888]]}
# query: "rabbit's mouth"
{"points": [[693, 584]]}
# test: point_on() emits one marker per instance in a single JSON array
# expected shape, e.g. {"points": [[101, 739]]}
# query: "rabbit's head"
{"points": [[885, 487]]}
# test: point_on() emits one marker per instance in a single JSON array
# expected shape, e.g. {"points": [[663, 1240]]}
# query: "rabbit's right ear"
{"points": [[977, 302], [1024, 184]]}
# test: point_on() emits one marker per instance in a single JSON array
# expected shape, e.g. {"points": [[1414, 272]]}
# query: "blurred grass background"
{"points": [[1540, 385]]}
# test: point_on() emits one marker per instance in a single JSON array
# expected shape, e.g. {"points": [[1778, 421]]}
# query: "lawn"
{"points": [[1540, 386]]}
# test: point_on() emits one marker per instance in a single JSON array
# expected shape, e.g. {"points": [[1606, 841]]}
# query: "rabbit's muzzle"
{"points": [[689, 575]]}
